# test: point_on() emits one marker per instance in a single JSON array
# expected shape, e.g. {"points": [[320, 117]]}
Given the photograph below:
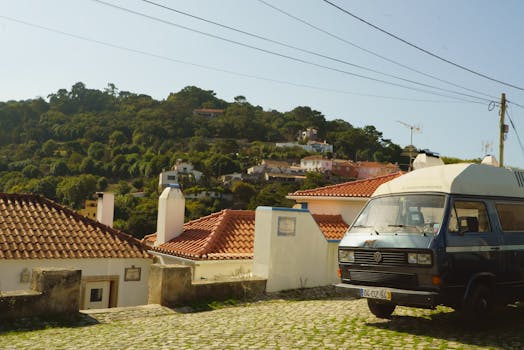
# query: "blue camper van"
{"points": [[445, 235]]}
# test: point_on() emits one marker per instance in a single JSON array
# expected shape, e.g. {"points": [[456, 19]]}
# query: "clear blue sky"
{"points": [[487, 36]]}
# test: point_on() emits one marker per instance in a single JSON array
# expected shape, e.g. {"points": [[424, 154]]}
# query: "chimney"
{"points": [[490, 160], [170, 221], [105, 208], [426, 159]]}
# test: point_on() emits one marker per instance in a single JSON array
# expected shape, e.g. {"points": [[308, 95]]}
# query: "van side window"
{"points": [[510, 216], [468, 217]]}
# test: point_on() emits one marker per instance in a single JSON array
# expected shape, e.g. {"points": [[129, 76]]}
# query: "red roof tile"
{"points": [[230, 234], [33, 227], [360, 188]]}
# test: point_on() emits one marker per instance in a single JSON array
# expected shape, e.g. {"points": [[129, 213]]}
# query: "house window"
{"points": [[171, 177], [96, 295]]}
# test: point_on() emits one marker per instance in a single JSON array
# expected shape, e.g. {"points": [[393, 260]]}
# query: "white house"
{"points": [[179, 170], [36, 232], [346, 199], [316, 163], [219, 245]]}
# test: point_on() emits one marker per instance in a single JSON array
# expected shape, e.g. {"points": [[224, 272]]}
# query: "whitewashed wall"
{"points": [[292, 258], [211, 269], [130, 293]]}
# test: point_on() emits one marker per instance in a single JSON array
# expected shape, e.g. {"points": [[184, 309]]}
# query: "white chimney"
{"points": [[171, 208], [105, 208], [425, 160], [490, 160]]}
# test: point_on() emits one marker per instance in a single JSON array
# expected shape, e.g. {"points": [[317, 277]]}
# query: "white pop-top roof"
{"points": [[472, 179]]}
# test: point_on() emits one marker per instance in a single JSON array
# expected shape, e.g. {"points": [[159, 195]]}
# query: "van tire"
{"points": [[479, 304], [381, 309]]}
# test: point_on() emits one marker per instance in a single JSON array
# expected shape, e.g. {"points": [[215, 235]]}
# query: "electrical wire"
{"points": [[371, 52], [302, 49], [516, 132], [423, 50], [216, 69], [284, 55], [515, 104]]}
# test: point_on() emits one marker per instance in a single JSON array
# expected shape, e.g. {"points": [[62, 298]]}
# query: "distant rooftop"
{"points": [[361, 188]]}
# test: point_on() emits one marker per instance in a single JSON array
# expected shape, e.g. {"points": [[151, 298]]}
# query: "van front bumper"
{"points": [[404, 297]]}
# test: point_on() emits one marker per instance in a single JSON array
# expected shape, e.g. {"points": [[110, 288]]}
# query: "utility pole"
{"points": [[502, 129]]}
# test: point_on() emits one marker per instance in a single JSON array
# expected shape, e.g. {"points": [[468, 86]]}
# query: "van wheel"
{"points": [[381, 309], [479, 304]]}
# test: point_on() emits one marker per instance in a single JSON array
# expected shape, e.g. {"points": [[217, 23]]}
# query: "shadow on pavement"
{"points": [[36, 323], [505, 329]]}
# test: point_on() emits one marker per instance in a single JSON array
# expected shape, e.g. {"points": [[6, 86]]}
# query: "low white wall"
{"points": [[210, 269], [290, 250], [130, 293]]}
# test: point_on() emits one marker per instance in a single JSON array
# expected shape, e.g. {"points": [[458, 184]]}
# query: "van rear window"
{"points": [[511, 216]]}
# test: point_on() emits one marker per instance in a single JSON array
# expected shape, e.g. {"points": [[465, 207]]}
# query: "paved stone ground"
{"points": [[277, 322]]}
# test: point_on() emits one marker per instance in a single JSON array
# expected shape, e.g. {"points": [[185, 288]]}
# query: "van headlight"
{"points": [[419, 258], [346, 255]]}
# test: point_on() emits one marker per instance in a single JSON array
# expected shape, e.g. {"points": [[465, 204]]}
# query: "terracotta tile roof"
{"points": [[33, 227], [361, 188], [332, 226], [230, 234]]}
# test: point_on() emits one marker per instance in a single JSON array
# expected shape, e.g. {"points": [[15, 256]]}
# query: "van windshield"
{"points": [[420, 213]]}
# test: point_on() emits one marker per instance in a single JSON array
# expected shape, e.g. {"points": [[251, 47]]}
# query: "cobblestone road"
{"points": [[271, 324]]}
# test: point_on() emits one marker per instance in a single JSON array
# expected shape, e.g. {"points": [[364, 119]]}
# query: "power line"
{"points": [[284, 55], [372, 52], [244, 75], [302, 49], [421, 49], [516, 132], [516, 104]]}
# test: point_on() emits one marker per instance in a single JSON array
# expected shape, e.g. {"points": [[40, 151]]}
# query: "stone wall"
{"points": [[53, 292], [171, 285]]}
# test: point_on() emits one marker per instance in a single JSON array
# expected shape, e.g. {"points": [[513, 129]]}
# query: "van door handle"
{"points": [[494, 248]]}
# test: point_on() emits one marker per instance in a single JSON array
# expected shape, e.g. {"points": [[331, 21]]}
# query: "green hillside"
{"points": [[82, 140]]}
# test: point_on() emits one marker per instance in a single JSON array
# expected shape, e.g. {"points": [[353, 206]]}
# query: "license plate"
{"points": [[375, 293]]}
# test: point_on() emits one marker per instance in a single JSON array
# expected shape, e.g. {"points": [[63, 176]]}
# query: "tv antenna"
{"points": [[412, 128], [487, 147]]}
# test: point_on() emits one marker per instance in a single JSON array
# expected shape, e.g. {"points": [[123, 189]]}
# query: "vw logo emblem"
{"points": [[378, 257]]}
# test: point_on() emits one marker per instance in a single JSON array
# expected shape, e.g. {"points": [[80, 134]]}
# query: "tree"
{"points": [[59, 168], [73, 191], [243, 192]]}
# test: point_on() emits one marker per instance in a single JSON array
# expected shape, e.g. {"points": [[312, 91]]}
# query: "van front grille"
{"points": [[368, 257]]}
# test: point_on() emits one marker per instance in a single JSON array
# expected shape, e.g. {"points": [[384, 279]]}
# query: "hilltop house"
{"points": [[366, 170], [36, 232], [179, 171], [221, 245], [316, 163], [208, 112], [276, 170]]}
